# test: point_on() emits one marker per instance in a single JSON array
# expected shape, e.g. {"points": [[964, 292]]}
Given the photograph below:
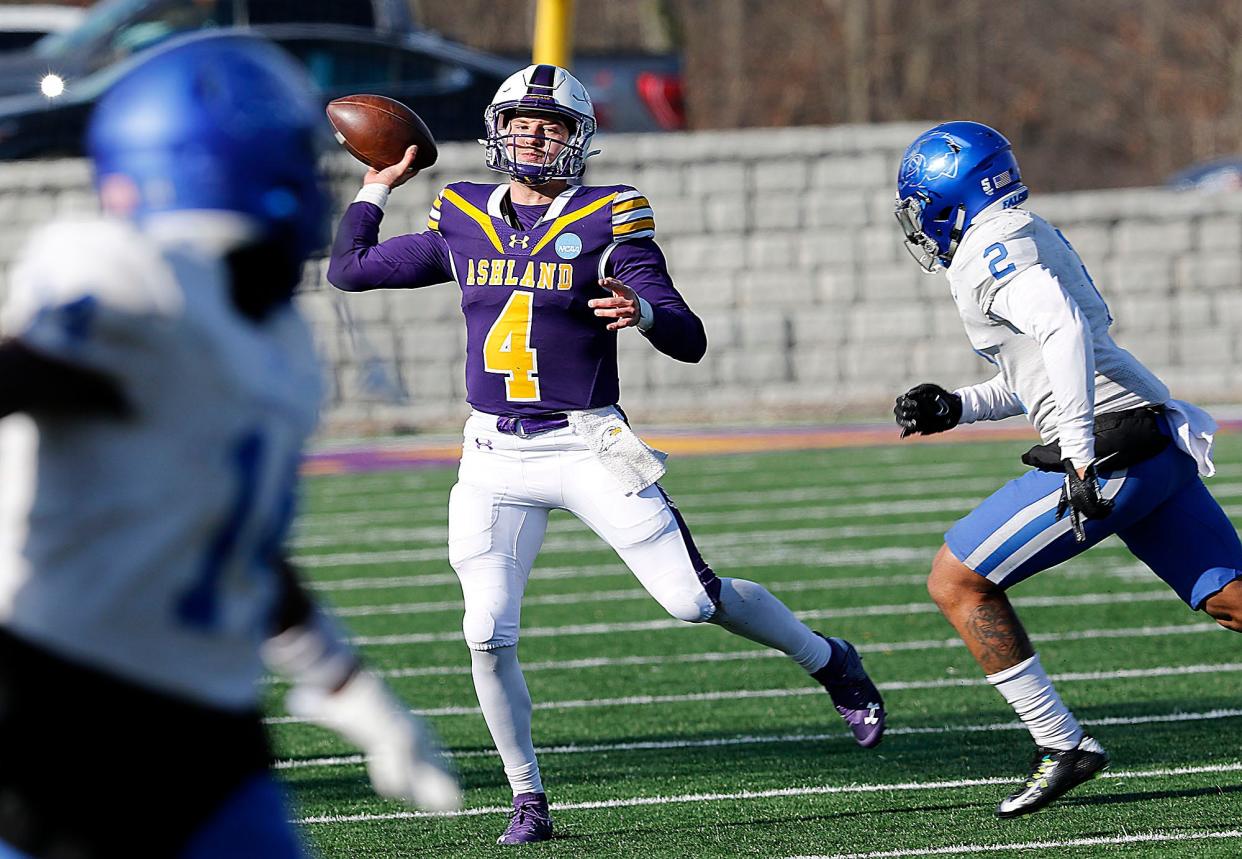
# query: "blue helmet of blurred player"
{"points": [[948, 176], [217, 123]]}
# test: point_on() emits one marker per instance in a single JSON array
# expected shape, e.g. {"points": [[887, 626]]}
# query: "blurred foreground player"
{"points": [[168, 386], [549, 272], [1118, 455]]}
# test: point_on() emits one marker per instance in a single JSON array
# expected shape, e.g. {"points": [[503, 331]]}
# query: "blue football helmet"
{"points": [[224, 123], [949, 175]]}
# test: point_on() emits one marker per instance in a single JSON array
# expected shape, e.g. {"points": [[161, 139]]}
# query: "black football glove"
{"points": [[927, 409], [1081, 497]]}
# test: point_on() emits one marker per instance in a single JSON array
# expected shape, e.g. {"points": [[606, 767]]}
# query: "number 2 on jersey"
{"points": [[507, 349], [1002, 253]]}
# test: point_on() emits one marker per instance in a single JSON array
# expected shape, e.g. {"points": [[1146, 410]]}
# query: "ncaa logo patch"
{"points": [[568, 245]]}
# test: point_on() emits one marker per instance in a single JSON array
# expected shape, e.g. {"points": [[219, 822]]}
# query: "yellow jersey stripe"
{"points": [[634, 227], [627, 205], [565, 220], [433, 225], [480, 217]]}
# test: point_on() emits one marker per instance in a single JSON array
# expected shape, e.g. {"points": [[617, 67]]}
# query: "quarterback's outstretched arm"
{"points": [[1035, 304]]}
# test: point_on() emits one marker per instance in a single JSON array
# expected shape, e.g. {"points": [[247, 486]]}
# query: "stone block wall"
{"points": [[783, 241]]}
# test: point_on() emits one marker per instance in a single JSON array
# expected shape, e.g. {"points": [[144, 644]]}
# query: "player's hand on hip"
{"points": [[622, 306], [926, 409], [1080, 497], [396, 174]]}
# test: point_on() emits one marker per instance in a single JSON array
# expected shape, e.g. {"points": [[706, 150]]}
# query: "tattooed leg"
{"points": [[980, 612]]}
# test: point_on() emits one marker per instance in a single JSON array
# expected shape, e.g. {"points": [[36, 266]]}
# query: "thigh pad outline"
{"points": [[473, 512]]}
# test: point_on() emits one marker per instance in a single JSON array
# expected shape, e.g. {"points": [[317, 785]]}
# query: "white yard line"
{"points": [[760, 739], [768, 556], [1108, 557], [784, 506], [815, 790], [1133, 573], [890, 474], [698, 521], [463, 668], [923, 607], [717, 545], [960, 849], [740, 694]]}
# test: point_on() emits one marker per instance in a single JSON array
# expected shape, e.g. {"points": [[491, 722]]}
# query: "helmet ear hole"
{"points": [[943, 214]]}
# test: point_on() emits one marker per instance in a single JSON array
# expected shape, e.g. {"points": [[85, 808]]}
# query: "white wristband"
{"points": [[376, 193], [646, 316]]}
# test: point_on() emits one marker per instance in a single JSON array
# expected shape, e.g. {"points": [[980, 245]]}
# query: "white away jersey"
{"points": [[139, 546], [994, 252]]}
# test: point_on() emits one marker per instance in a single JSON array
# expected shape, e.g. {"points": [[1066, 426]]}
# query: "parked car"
{"points": [[634, 92], [21, 25], [46, 94], [1221, 174]]}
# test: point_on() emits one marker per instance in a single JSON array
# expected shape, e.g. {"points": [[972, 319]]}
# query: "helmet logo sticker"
{"points": [[935, 158], [568, 245]]}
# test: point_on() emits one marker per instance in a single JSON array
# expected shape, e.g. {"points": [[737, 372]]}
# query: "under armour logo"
{"points": [[482, 443], [871, 718], [516, 241]]}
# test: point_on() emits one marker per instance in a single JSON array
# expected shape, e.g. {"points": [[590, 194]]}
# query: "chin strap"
{"points": [[956, 233]]}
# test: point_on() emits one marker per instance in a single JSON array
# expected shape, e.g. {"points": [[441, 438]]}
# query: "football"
{"points": [[376, 130]]}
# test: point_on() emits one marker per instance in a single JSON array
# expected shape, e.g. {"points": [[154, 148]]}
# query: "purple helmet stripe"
{"points": [[543, 77]]}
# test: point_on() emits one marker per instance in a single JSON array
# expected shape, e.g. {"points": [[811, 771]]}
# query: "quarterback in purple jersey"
{"points": [[550, 271]]}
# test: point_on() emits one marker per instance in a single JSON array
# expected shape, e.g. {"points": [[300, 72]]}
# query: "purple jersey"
{"points": [[533, 346]]}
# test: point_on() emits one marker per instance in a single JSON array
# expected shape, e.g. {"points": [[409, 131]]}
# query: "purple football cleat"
{"points": [[853, 693], [530, 820]]}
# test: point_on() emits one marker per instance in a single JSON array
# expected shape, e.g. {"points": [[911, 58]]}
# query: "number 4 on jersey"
{"points": [[507, 349]]}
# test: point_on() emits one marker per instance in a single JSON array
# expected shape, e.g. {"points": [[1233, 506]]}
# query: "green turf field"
{"points": [[662, 739]]}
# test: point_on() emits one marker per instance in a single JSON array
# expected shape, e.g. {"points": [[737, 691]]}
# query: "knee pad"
{"points": [[689, 606], [484, 631]]}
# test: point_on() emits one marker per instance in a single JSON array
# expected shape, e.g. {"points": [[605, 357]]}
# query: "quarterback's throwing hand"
{"points": [[926, 409], [621, 306], [395, 175]]}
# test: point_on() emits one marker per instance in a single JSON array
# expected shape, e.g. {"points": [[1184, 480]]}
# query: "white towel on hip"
{"points": [[629, 459], [1193, 432]]}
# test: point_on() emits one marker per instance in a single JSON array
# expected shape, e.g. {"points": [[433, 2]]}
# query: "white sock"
{"points": [[505, 702], [748, 610], [1029, 691]]}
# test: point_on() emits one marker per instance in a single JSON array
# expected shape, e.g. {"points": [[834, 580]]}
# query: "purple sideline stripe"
{"points": [[690, 442]]}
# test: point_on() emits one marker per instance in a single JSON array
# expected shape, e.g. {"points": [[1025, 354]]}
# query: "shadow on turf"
{"points": [[1145, 795], [563, 835]]}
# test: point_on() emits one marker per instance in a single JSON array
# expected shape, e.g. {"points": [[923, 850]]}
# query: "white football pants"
{"points": [[498, 513]]}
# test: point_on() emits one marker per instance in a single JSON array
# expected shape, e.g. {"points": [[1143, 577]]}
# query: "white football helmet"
{"points": [[540, 89]]}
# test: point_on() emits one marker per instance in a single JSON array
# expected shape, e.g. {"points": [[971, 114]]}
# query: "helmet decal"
{"points": [[935, 158]]}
